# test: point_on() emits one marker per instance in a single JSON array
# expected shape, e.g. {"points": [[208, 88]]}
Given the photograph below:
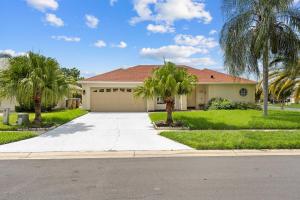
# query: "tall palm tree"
{"points": [[255, 32], [34, 77], [167, 82]]}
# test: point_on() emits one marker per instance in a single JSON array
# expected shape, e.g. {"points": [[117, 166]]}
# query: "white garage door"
{"points": [[116, 100]]}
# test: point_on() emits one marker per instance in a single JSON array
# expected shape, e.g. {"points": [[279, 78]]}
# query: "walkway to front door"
{"points": [[99, 132]]}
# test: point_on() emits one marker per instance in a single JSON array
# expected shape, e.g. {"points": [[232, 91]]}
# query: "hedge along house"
{"points": [[113, 91]]}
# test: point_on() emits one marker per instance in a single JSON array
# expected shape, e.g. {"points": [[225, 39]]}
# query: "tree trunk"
{"points": [[169, 108], [38, 109], [266, 78]]}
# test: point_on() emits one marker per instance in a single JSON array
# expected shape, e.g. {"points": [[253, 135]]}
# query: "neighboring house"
{"points": [[113, 91], [6, 103]]}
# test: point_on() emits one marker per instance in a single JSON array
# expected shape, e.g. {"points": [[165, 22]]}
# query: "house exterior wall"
{"points": [[202, 94], [7, 103], [152, 105], [231, 92]]}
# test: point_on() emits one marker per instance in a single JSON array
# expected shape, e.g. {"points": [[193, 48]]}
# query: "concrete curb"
{"points": [[147, 154]]}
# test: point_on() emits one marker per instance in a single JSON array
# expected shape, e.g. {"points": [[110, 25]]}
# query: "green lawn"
{"points": [[50, 118], [218, 140], [234, 119], [7, 137]]}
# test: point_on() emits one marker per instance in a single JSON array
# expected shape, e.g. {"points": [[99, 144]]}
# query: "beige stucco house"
{"points": [[6, 103], [113, 91]]}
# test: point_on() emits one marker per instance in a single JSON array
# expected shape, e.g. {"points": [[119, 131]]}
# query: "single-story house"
{"points": [[113, 91]]}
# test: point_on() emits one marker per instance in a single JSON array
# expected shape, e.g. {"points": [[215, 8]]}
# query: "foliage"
{"points": [[257, 31], [203, 140], [225, 104], [8, 137], [167, 82], [36, 78], [234, 119], [30, 108], [284, 83], [72, 72]]}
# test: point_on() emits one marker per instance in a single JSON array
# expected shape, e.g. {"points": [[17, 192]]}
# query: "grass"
{"points": [[234, 119], [50, 118], [8, 137], [220, 140]]}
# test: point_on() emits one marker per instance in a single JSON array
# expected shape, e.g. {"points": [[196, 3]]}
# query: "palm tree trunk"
{"points": [[169, 109], [266, 78], [38, 109]]}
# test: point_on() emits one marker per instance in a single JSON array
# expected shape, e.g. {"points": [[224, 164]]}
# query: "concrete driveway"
{"points": [[99, 132]]}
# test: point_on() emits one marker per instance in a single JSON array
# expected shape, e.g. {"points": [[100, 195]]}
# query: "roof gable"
{"points": [[140, 72]]}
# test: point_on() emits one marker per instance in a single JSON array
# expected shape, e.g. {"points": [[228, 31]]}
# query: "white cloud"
{"points": [[160, 28], [296, 2], [12, 52], [213, 32], [112, 2], [100, 44], [199, 40], [53, 20], [66, 38], [91, 21], [171, 51], [43, 5], [186, 51], [169, 11], [121, 45]]}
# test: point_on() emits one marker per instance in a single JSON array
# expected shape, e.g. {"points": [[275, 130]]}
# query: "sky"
{"points": [[97, 36]]}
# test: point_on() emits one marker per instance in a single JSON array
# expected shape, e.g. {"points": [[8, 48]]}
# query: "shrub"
{"points": [[30, 108], [225, 104]]}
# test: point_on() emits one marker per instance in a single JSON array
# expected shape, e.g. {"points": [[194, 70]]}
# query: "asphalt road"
{"points": [[232, 178]]}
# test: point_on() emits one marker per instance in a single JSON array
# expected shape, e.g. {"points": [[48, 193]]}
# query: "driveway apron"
{"points": [[99, 132]]}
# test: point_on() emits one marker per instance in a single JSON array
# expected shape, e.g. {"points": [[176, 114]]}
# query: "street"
{"points": [[205, 178]]}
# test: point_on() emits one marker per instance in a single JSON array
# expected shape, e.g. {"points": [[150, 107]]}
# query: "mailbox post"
{"points": [[6, 116]]}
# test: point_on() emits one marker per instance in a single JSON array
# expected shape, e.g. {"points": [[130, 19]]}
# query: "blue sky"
{"points": [[100, 35]]}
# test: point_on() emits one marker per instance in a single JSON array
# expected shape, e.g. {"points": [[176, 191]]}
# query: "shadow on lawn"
{"points": [[199, 123]]}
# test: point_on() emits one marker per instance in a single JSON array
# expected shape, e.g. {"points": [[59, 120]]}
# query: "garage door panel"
{"points": [[116, 100]]}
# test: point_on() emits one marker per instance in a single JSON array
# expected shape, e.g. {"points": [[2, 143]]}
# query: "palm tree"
{"points": [[36, 78], [257, 31], [167, 82], [285, 83]]}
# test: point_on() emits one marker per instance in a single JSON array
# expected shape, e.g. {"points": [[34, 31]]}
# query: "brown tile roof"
{"points": [[141, 72]]}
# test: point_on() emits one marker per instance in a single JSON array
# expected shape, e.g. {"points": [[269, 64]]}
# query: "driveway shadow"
{"points": [[70, 128]]}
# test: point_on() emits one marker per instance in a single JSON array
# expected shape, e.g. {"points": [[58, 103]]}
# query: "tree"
{"points": [[167, 82], [34, 77], [72, 72], [257, 31], [285, 83]]}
